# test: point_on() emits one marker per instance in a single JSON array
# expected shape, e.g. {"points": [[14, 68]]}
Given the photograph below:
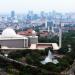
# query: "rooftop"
{"points": [[9, 33]]}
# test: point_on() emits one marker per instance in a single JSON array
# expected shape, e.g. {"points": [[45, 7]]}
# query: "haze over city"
{"points": [[37, 37], [22, 6]]}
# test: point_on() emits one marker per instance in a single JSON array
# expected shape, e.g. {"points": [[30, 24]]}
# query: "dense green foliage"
{"points": [[33, 57], [48, 39]]}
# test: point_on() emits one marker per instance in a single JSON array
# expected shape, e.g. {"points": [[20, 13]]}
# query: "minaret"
{"points": [[60, 35]]}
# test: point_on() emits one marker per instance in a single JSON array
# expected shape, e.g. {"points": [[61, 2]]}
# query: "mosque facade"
{"points": [[9, 39]]}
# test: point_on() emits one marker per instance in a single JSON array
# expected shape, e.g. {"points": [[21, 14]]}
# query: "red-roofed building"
{"points": [[28, 32], [44, 34]]}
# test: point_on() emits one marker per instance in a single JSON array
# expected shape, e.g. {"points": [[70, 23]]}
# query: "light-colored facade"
{"points": [[32, 40], [9, 39]]}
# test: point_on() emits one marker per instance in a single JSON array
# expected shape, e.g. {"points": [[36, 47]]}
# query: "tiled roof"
{"points": [[27, 33]]}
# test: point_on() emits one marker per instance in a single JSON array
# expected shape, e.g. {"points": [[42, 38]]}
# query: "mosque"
{"points": [[9, 39]]}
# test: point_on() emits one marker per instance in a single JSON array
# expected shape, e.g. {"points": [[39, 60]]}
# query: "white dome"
{"points": [[33, 32], [8, 32]]}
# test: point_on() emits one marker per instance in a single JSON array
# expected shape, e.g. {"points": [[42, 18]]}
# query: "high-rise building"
{"points": [[12, 14]]}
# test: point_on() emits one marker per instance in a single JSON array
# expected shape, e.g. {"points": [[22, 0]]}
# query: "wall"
{"points": [[14, 43]]}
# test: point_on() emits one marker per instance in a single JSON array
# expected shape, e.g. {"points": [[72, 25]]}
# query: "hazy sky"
{"points": [[37, 5]]}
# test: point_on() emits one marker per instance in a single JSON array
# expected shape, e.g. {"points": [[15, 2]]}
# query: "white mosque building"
{"points": [[9, 39]]}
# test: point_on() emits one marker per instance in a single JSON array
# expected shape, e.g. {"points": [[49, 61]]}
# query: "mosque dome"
{"points": [[33, 32], [8, 32]]}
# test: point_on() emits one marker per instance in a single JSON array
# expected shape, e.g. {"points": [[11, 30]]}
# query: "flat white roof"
{"points": [[33, 36], [14, 37], [54, 45]]}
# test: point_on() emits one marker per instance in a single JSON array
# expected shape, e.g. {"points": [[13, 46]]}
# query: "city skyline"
{"points": [[22, 6]]}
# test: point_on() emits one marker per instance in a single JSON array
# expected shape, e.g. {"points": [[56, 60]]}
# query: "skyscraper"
{"points": [[12, 14]]}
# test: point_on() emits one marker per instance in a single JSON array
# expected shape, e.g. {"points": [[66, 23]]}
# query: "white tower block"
{"points": [[53, 29], [45, 23], [48, 29]]}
